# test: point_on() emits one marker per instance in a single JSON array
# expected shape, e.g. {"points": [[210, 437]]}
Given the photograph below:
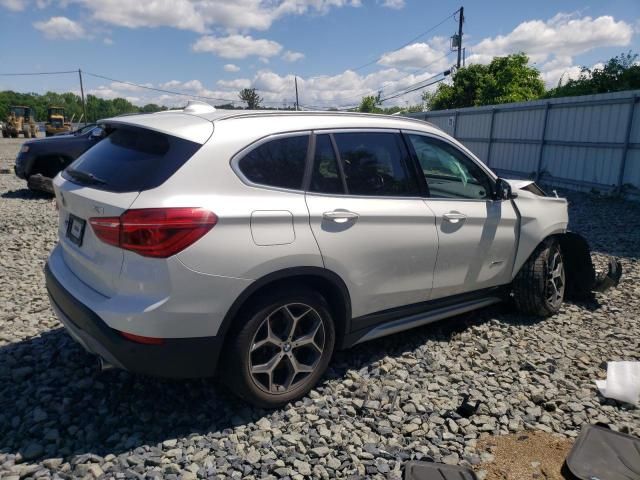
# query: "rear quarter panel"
{"points": [[231, 249]]}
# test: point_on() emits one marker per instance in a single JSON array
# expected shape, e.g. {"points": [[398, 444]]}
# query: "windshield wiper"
{"points": [[85, 177]]}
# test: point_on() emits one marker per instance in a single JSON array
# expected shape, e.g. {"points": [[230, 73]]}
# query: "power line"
{"points": [[445, 73], [372, 92], [37, 73], [407, 43], [161, 90]]}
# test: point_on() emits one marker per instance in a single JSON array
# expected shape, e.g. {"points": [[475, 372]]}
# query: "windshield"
{"points": [[131, 159]]}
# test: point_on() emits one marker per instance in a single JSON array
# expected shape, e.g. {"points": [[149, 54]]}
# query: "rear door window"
{"points": [[376, 164], [131, 159], [277, 163]]}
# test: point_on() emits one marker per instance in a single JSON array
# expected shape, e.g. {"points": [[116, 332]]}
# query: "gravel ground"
{"points": [[431, 393]]}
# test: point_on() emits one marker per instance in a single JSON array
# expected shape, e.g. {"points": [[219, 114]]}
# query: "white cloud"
{"points": [[14, 5], [560, 67], [230, 67], [237, 84], [341, 90], [551, 45], [395, 4], [291, 56], [61, 28], [202, 15], [237, 46], [418, 55], [107, 41], [563, 35], [180, 14]]}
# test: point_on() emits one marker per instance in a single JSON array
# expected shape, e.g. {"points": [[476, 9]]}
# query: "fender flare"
{"points": [[283, 275]]}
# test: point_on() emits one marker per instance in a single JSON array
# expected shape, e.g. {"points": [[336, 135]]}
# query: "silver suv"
{"points": [[253, 244]]}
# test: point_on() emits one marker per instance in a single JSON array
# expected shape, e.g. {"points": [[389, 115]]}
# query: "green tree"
{"points": [[621, 72], [505, 79], [370, 104], [151, 108], [251, 96], [97, 108]]}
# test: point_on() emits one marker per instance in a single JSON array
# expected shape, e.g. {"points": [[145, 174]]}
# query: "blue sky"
{"points": [[215, 47]]}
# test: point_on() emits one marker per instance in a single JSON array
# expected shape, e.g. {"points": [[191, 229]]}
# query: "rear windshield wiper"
{"points": [[85, 177]]}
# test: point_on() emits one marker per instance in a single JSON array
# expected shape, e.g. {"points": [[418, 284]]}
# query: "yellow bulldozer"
{"points": [[56, 121], [19, 121]]}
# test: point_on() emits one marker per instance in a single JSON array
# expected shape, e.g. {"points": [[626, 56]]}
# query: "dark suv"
{"points": [[41, 159]]}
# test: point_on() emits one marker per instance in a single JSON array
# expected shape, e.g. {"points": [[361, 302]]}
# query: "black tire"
{"points": [[239, 358], [533, 287]]}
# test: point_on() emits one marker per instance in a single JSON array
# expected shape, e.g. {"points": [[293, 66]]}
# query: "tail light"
{"points": [[154, 232]]}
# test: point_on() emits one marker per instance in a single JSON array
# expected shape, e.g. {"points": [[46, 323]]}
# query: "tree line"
{"points": [[96, 107], [504, 80]]}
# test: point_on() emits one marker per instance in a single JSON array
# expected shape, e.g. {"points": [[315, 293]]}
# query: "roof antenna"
{"points": [[194, 106]]}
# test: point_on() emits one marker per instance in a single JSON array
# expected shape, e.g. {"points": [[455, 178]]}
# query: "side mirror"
{"points": [[503, 190]]}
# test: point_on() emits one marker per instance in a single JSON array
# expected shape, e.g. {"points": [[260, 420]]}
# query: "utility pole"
{"points": [[84, 107], [297, 103], [460, 21]]}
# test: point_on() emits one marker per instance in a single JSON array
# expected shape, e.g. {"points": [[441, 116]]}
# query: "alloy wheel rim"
{"points": [[555, 279], [286, 348]]}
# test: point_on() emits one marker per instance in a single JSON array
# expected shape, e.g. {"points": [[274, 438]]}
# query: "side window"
{"points": [[376, 164], [277, 163], [325, 177], [448, 171]]}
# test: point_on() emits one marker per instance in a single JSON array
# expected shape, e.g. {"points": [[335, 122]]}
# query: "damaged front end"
{"points": [[582, 277]]}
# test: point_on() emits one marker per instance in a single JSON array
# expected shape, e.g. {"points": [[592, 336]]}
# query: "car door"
{"points": [[477, 234], [371, 224]]}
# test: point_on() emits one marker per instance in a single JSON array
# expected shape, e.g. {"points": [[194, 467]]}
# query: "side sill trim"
{"points": [[420, 319]]}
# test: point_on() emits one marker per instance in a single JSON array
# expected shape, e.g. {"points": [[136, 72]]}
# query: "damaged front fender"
{"points": [[581, 275]]}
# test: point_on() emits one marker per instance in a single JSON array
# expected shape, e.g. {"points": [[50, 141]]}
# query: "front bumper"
{"points": [[18, 168], [174, 358]]}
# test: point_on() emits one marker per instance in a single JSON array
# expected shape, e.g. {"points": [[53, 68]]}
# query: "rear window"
{"points": [[131, 160]]}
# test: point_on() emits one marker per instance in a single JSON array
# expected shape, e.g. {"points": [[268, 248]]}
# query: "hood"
{"points": [[527, 186], [519, 184]]}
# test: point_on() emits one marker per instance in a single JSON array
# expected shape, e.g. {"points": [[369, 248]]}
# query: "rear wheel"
{"points": [[282, 350], [539, 287]]}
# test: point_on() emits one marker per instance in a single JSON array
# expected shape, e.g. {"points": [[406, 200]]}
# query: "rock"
{"points": [[303, 467], [433, 392], [451, 459], [253, 456], [321, 451]]}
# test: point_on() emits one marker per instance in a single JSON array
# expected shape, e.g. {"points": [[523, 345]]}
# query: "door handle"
{"points": [[454, 217], [340, 216]]}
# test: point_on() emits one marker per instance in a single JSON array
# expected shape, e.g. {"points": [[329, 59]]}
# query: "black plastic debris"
{"points": [[600, 453], [436, 471], [467, 408]]}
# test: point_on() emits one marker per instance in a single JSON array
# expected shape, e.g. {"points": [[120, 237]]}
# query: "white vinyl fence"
{"points": [[588, 143]]}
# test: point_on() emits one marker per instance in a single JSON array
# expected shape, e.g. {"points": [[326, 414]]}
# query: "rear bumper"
{"points": [[174, 358]]}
